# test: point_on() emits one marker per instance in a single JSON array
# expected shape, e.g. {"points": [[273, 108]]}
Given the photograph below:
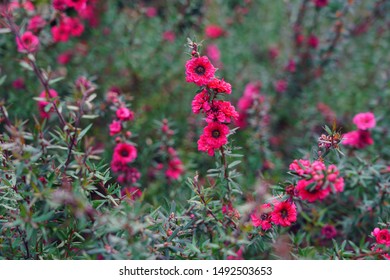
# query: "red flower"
{"points": [[27, 42], [284, 214], [77, 4], [59, 5], [76, 28], [364, 121], [220, 86], [124, 114], [43, 103], [313, 41], [221, 111], [175, 168], [199, 70], [214, 136], [320, 3], [262, 217], [169, 36], [328, 231], [281, 86], [115, 127], [358, 139], [60, 33], [311, 191], [382, 236], [201, 102], [65, 57], [36, 23], [214, 31], [124, 153]]}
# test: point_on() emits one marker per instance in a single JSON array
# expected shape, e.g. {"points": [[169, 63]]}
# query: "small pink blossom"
{"points": [[364, 121], [27, 42]]}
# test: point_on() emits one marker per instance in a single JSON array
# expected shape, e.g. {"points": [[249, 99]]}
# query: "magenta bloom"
{"points": [[328, 231], [65, 57], [213, 52], [214, 137], [125, 114], [364, 121], [115, 127], [306, 193], [76, 28], [199, 70], [175, 169], [238, 256], [43, 103], [60, 33], [220, 86], [313, 41], [382, 236], [281, 86], [221, 111], [301, 166], [124, 153], [77, 4], [320, 3], [214, 31], [36, 23], [59, 5], [284, 214], [201, 102], [358, 139], [169, 36], [261, 217], [27, 42]]}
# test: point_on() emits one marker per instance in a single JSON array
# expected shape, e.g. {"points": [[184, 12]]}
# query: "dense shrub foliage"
{"points": [[194, 129]]}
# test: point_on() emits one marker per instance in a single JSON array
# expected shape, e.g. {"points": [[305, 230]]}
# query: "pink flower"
{"points": [[59, 5], [320, 3], [213, 52], [221, 111], [27, 42], [358, 139], [273, 52], [115, 127], [43, 103], [328, 231], [124, 153], [214, 31], [175, 169], [19, 83], [77, 4], [281, 86], [65, 57], [313, 41], [291, 66], [199, 70], [132, 193], [284, 214], [311, 191], [60, 33], [219, 86], [124, 114], [301, 166], [214, 137], [36, 23], [382, 236], [128, 175], [169, 36], [364, 121], [151, 12], [261, 217], [76, 28], [201, 102]]}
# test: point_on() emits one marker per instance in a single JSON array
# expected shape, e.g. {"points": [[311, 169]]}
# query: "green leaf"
{"points": [[83, 132]]}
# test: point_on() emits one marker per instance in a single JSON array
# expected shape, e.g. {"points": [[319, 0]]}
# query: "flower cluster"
{"points": [[218, 113], [361, 137], [125, 151], [252, 99], [168, 159], [282, 213], [382, 244], [317, 180]]}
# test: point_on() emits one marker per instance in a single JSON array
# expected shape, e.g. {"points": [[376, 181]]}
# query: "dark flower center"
{"points": [[284, 213], [215, 133], [264, 216], [124, 153], [200, 70]]}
